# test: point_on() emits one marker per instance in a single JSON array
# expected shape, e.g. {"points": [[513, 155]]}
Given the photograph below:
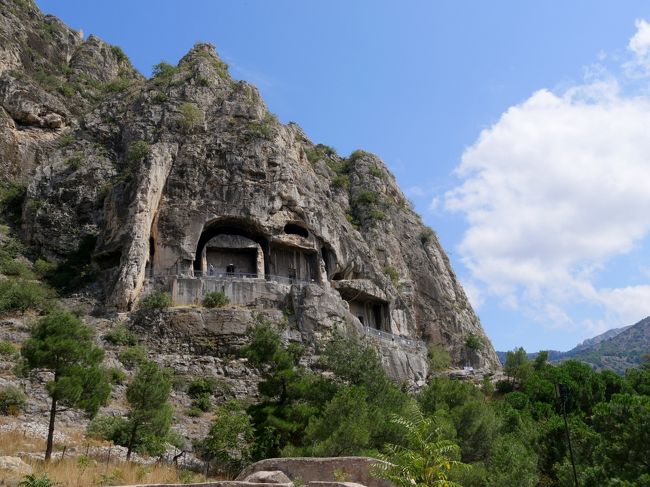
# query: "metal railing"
{"points": [[225, 275], [394, 338], [252, 275]]}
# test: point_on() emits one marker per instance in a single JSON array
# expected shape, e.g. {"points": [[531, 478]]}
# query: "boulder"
{"points": [[15, 465], [268, 477]]}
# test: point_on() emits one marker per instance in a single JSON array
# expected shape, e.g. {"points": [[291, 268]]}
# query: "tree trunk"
{"points": [[50, 431], [131, 441]]}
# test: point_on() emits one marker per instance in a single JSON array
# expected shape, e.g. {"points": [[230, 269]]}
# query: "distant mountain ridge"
{"points": [[592, 342], [617, 349]]}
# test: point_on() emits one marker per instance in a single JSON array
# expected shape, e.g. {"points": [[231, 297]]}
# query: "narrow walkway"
{"points": [[386, 336]]}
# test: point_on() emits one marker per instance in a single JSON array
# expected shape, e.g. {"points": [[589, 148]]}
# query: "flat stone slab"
{"points": [[217, 483], [326, 471]]}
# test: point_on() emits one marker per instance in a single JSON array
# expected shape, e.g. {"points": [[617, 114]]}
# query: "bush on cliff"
{"points": [[215, 299], [157, 300]]}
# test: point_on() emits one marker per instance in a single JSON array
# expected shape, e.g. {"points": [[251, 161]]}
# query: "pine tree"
{"points": [[150, 414], [63, 345]]}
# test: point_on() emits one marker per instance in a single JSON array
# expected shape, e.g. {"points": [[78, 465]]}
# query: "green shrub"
{"points": [[157, 300], [191, 116], [8, 349], [366, 197], [194, 412], [438, 357], [117, 85], [504, 386], [48, 30], [426, 235], [339, 167], [376, 172], [349, 216], [201, 386], [517, 400], [12, 401], [116, 375], [318, 152], [215, 299], [76, 270], [14, 267], [21, 295], [65, 140], [43, 267], [163, 71], [265, 128], [11, 248], [121, 335], [357, 154], [12, 197], [133, 356], [75, 161], [36, 480], [203, 402], [341, 181], [105, 428], [66, 89], [118, 53], [375, 215], [160, 97], [188, 477], [231, 438], [136, 152], [474, 342], [392, 273]]}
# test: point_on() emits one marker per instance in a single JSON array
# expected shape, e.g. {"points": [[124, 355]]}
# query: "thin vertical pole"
{"points": [[568, 437]]}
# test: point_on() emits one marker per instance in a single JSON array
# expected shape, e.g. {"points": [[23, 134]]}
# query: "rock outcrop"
{"points": [[152, 171]]}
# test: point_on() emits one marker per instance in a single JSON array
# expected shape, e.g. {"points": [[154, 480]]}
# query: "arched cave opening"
{"points": [[235, 252], [296, 229]]}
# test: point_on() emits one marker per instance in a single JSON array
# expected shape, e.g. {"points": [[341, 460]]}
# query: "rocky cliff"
{"points": [[164, 175]]}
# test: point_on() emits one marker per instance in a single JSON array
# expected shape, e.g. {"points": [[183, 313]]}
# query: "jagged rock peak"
{"points": [[188, 173]]}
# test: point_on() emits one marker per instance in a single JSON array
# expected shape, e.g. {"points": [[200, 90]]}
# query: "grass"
{"points": [[75, 161], [341, 181], [89, 470], [191, 116], [117, 86], [376, 172], [426, 235], [392, 273], [65, 140], [318, 152], [118, 53]]}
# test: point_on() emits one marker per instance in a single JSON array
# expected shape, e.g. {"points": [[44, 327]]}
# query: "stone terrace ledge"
{"points": [[241, 291]]}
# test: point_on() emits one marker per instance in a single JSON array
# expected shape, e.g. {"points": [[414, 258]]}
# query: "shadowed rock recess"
{"points": [[188, 184]]}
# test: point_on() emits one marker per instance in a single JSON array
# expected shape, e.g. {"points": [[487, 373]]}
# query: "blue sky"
{"points": [[516, 128]]}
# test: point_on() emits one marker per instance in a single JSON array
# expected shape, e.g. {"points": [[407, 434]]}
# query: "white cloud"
{"points": [[415, 191], [639, 45], [629, 303], [556, 188], [474, 294], [434, 205]]}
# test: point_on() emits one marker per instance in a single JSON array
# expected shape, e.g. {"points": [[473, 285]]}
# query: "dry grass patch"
{"points": [[12, 442], [84, 471]]}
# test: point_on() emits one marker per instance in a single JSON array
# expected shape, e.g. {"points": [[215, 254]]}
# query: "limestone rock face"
{"points": [[151, 171]]}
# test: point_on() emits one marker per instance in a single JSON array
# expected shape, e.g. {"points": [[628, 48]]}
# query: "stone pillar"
{"points": [[260, 261]]}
